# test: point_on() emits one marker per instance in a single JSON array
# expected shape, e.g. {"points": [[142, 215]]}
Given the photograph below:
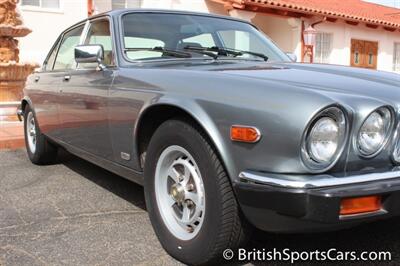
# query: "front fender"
{"points": [[203, 118]]}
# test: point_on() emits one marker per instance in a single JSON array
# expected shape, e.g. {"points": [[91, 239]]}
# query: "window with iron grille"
{"points": [[323, 47], [42, 3], [396, 57]]}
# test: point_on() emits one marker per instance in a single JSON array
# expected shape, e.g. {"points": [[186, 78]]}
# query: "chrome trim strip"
{"points": [[317, 181], [362, 215]]}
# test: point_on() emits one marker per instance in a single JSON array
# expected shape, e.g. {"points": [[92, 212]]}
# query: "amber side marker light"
{"points": [[245, 134], [360, 205]]}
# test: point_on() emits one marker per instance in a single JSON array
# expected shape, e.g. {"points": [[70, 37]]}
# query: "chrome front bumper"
{"points": [[315, 181], [296, 203]]}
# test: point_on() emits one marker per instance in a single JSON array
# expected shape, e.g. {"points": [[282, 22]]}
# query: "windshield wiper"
{"points": [[163, 50], [226, 51], [200, 50]]}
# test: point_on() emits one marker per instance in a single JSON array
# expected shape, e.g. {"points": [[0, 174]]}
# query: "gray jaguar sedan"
{"points": [[222, 129]]}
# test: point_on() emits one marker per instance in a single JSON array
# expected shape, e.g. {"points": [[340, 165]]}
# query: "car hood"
{"points": [[324, 78]]}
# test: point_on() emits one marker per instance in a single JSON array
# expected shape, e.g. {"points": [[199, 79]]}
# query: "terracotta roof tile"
{"points": [[347, 9]]}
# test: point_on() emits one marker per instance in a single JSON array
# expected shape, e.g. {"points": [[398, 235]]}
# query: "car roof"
{"points": [[117, 12]]}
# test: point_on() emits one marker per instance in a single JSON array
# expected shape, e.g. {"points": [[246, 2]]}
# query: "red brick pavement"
{"points": [[11, 135]]}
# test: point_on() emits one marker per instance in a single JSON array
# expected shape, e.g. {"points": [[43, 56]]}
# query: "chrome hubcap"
{"points": [[180, 192], [31, 132]]}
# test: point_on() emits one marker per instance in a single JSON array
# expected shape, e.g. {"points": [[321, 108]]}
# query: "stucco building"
{"points": [[351, 32]]}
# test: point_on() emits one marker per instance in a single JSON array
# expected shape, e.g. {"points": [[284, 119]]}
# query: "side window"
{"points": [[323, 47], [99, 33], [52, 56], [66, 54]]}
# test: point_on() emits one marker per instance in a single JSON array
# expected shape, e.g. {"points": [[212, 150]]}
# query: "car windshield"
{"points": [[153, 36]]}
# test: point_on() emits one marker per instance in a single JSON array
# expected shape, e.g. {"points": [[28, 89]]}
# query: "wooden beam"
{"points": [[252, 8], [372, 26], [353, 23], [331, 19], [262, 8], [389, 29], [273, 11]]}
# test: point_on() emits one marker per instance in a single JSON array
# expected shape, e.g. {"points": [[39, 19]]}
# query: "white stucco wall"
{"points": [[189, 5], [343, 33], [47, 24], [286, 32]]}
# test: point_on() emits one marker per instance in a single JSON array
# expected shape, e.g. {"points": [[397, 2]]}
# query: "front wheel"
{"points": [[40, 150], [189, 196]]}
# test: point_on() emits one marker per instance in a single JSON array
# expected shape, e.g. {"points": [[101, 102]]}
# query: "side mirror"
{"points": [[92, 53], [292, 56]]}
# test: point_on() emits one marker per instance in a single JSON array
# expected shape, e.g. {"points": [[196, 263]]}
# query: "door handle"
{"points": [[67, 77]]}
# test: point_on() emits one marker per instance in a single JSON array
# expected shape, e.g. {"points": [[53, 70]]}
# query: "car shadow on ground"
{"points": [[115, 184], [375, 236]]}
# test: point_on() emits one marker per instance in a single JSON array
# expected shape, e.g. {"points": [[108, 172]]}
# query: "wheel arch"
{"points": [[153, 116], [24, 102]]}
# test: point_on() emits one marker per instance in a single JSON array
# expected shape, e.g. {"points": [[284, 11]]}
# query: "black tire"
{"points": [[223, 226], [45, 152]]}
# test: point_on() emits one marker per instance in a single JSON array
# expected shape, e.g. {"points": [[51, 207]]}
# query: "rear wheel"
{"points": [[40, 150], [189, 196]]}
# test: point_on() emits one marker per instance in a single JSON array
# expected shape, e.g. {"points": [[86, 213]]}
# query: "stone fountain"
{"points": [[13, 74]]}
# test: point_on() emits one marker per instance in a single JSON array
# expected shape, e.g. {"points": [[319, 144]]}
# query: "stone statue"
{"points": [[13, 74]]}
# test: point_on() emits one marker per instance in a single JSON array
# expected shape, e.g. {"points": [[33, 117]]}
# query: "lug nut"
{"points": [[189, 204], [190, 187]]}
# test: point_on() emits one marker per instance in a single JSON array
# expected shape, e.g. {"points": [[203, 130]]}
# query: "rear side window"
{"points": [[52, 57], [66, 54]]}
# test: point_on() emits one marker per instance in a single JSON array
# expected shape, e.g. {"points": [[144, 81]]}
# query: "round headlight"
{"points": [[374, 132], [324, 139]]}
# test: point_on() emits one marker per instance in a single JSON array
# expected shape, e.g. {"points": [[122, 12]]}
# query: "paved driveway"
{"points": [[74, 213]]}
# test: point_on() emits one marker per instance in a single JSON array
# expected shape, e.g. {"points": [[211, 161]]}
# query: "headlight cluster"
{"points": [[324, 139], [326, 136], [374, 132]]}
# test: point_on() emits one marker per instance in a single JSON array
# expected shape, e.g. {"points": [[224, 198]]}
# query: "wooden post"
{"points": [[90, 7]]}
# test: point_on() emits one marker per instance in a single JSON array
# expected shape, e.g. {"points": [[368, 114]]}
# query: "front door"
{"points": [[364, 54], [85, 115], [70, 99]]}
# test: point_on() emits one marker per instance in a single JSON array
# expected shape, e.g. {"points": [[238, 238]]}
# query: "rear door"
{"points": [[44, 92]]}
